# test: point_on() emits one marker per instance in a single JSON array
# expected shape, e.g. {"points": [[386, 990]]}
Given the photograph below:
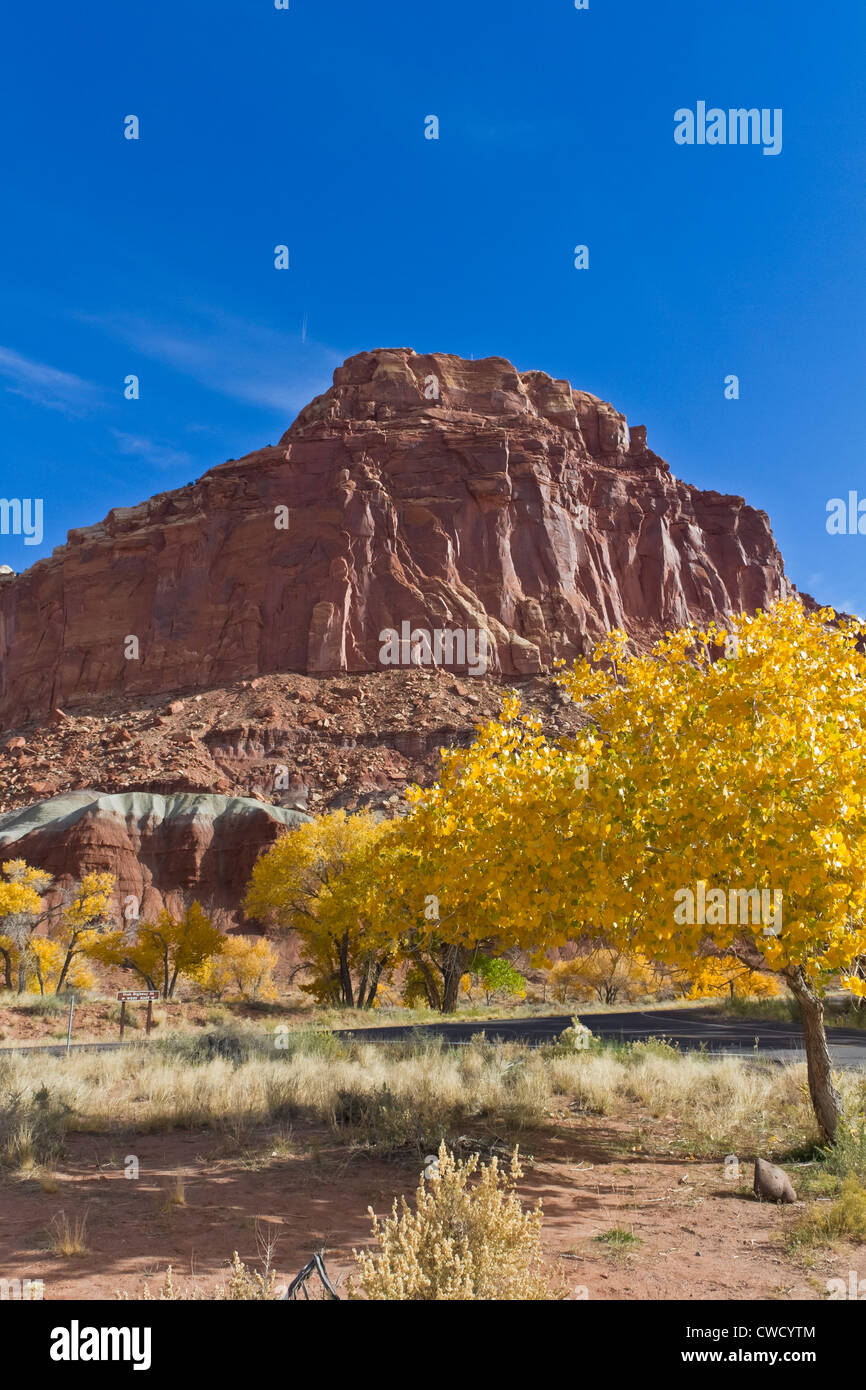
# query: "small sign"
{"points": [[137, 996]]}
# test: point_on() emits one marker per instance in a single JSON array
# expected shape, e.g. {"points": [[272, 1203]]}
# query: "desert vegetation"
{"points": [[703, 836], [388, 1096], [323, 1102]]}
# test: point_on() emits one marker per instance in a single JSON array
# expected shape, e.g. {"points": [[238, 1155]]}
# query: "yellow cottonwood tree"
{"points": [[326, 881], [479, 845], [715, 976], [246, 965], [608, 974], [48, 959], [715, 805], [732, 791]]}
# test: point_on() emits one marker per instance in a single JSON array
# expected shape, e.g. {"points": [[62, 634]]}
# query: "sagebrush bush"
{"points": [[468, 1238], [235, 1045]]}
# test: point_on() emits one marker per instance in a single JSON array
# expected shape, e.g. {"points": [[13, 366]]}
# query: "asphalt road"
{"points": [[690, 1029]]}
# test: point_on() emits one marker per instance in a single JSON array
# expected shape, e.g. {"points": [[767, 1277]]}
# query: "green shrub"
{"points": [[844, 1219]]}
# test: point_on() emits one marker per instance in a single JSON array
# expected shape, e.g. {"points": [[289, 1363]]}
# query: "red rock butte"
{"points": [[420, 488]]}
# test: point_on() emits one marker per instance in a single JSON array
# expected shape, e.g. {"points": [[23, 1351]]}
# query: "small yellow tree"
{"points": [[48, 959], [83, 919], [21, 890], [325, 881], [713, 977], [161, 951], [608, 974]]}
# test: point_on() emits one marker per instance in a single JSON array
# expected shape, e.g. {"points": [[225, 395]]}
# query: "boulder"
{"points": [[772, 1184]]}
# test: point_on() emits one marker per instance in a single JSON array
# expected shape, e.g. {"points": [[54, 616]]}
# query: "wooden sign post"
{"points": [[136, 996]]}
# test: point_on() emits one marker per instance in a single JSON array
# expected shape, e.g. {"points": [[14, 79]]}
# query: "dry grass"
{"points": [[418, 1094], [242, 1285], [173, 1195], [414, 1093], [402, 1015], [68, 1238]]}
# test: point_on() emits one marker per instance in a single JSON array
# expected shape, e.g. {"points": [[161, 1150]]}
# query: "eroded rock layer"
{"points": [[164, 851]]}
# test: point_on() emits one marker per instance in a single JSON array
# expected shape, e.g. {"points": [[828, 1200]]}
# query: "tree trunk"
{"points": [[826, 1101], [7, 968], [61, 979], [345, 974], [127, 964], [431, 988], [454, 962], [373, 989], [361, 995]]}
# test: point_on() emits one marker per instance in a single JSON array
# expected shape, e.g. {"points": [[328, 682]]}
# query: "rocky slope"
{"points": [[293, 741], [426, 490], [284, 745]]}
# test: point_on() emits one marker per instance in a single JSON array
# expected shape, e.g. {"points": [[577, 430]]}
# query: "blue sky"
{"points": [[306, 127]]}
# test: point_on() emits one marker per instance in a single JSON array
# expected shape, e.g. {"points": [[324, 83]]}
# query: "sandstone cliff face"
{"points": [[426, 490], [160, 849]]}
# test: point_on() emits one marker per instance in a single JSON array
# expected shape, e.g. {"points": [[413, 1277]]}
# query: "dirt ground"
{"points": [[95, 1021], [700, 1236]]}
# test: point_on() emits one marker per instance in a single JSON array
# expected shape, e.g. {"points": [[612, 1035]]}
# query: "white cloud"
{"points": [[227, 354], [159, 455], [46, 386]]}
